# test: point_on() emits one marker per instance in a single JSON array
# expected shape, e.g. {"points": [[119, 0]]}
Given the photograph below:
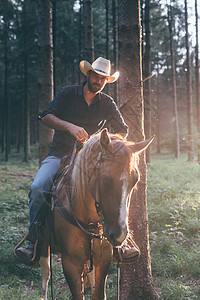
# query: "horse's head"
{"points": [[111, 173], [116, 176]]}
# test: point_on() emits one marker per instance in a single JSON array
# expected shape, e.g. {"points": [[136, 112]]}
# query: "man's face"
{"points": [[96, 82]]}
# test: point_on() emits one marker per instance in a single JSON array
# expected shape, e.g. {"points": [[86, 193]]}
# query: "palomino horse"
{"points": [[103, 176]]}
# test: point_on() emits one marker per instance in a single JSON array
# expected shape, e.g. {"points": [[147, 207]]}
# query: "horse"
{"points": [[96, 195]]}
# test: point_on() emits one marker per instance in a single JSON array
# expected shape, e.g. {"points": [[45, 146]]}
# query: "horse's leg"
{"points": [[91, 279], [73, 277], [101, 272], [101, 269], [45, 265]]}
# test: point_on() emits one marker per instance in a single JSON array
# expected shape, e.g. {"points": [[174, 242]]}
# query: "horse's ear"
{"points": [[105, 140], [141, 146]]}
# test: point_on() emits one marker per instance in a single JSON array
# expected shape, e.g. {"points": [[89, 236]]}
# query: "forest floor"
{"points": [[174, 226]]}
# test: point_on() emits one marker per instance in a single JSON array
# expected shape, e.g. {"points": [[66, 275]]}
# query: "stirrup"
{"points": [[34, 261], [118, 258]]}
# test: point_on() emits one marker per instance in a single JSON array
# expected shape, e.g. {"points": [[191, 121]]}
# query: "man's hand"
{"points": [[78, 132], [55, 123]]}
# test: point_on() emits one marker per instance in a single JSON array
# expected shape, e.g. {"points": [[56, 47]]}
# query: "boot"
{"points": [[30, 255], [127, 253]]}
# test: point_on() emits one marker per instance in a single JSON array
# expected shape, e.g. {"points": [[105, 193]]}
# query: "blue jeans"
{"points": [[42, 184]]}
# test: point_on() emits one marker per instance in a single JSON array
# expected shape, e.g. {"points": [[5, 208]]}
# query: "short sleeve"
{"points": [[55, 107], [115, 119]]}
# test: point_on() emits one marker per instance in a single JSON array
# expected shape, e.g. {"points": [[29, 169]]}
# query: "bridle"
{"points": [[100, 158], [69, 215]]}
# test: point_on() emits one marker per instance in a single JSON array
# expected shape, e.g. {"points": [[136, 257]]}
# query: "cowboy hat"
{"points": [[100, 66]]}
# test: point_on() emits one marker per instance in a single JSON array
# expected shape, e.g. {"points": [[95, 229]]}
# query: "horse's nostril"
{"points": [[116, 238], [113, 240]]}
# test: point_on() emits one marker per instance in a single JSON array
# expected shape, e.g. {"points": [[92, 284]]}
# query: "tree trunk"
{"points": [[2, 116], [88, 30], [173, 67], [107, 29], [80, 38], [19, 126], [27, 149], [197, 83], [136, 278], [54, 45], [107, 88], [115, 47], [147, 73], [45, 70], [142, 31], [189, 92], [6, 98], [158, 110]]}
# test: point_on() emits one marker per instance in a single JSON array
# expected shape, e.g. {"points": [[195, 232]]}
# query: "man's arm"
{"points": [[55, 123], [115, 119]]}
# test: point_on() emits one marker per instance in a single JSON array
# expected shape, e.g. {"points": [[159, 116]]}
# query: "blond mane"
{"points": [[84, 163], [87, 159]]}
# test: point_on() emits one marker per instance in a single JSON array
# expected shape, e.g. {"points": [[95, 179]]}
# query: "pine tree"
{"points": [[136, 278], [88, 30], [189, 92], [173, 67], [197, 83], [45, 70]]}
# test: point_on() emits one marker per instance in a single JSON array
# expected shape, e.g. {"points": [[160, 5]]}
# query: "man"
{"points": [[75, 113]]}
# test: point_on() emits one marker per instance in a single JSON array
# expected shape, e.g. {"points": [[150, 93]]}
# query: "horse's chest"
{"points": [[102, 249]]}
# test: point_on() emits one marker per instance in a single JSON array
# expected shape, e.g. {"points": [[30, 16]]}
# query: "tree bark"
{"points": [[142, 31], [88, 30], [189, 92], [27, 149], [54, 45], [136, 278], [147, 73], [80, 50], [197, 82], [115, 47], [45, 70], [107, 88], [158, 110], [107, 29], [173, 67], [6, 98]]}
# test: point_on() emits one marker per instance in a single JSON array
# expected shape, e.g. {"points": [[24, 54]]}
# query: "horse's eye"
{"points": [[107, 181]]}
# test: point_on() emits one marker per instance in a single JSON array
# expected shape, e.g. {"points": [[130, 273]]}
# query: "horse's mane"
{"points": [[86, 161]]}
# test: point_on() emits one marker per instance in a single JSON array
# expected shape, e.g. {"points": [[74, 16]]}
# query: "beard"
{"points": [[95, 87]]}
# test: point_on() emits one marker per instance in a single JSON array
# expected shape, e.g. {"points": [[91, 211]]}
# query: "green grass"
{"points": [[174, 225]]}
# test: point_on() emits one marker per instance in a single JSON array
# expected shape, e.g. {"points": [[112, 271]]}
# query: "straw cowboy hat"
{"points": [[100, 66]]}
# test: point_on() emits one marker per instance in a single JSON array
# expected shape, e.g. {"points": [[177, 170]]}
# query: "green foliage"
{"points": [[176, 290]]}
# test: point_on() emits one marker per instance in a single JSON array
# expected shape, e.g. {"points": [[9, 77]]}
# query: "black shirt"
{"points": [[69, 105]]}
